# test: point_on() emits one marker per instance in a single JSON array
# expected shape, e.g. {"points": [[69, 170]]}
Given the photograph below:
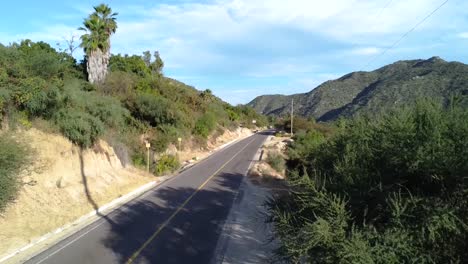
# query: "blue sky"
{"points": [[243, 48]]}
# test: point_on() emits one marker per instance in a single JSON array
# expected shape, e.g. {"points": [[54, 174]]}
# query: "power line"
{"points": [[383, 9], [405, 35]]}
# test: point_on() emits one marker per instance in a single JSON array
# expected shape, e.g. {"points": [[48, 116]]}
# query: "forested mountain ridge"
{"points": [[394, 85]]}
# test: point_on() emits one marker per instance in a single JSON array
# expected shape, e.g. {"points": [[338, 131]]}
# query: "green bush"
{"points": [[4, 100], [166, 164], [165, 135], [13, 157], [107, 109], [139, 159], [205, 125], [157, 110], [386, 190], [276, 161], [119, 84], [80, 127], [304, 144], [45, 103]]}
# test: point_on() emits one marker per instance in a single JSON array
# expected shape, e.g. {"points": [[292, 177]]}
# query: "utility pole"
{"points": [[292, 116]]}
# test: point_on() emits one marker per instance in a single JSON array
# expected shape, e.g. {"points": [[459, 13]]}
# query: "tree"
{"points": [[147, 58], [71, 47], [99, 27], [207, 95], [158, 64]]}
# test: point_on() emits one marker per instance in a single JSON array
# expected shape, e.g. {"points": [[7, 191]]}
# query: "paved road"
{"points": [[177, 222]]}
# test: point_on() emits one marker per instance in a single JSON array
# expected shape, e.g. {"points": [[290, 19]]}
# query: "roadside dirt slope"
{"points": [[62, 184]]}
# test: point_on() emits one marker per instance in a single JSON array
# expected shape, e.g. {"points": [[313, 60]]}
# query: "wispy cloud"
{"points": [[463, 35], [56, 34], [366, 51]]}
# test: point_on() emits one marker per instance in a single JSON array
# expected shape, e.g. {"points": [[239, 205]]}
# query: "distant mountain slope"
{"points": [[397, 84]]}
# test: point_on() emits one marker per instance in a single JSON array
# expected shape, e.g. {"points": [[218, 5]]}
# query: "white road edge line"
{"points": [[71, 242]]}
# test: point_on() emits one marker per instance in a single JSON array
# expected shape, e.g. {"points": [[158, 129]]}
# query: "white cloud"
{"points": [[52, 34], [366, 51], [463, 35], [340, 19]]}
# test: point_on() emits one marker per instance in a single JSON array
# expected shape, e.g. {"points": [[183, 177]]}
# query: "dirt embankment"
{"points": [[64, 183]]}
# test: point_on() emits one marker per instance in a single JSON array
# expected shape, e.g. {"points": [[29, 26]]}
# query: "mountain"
{"points": [[397, 84]]}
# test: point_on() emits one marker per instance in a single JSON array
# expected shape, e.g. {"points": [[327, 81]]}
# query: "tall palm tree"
{"points": [[98, 27]]}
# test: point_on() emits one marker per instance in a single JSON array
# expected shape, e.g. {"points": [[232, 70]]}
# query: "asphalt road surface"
{"points": [[178, 221]]}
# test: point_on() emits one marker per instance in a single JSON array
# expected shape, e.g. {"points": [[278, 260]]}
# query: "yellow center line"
{"points": [[147, 242]]}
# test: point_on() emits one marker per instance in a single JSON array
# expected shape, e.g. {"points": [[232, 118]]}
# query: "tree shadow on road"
{"points": [[189, 237]]}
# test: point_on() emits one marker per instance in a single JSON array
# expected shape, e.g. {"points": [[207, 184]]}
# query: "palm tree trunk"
{"points": [[97, 66]]}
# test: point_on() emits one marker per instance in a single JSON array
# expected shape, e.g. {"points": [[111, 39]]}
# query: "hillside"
{"points": [[47, 89], [66, 143], [394, 85]]}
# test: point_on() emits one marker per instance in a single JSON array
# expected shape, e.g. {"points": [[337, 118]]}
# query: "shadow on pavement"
{"points": [[191, 235]]}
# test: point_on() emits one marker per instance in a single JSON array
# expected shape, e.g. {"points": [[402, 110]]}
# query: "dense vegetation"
{"points": [[392, 189], [392, 86], [37, 82]]}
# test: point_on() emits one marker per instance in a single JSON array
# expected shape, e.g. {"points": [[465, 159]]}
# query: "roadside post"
{"points": [[148, 145], [180, 141]]}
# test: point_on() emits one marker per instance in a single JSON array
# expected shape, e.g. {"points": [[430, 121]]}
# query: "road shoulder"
{"points": [[246, 237]]}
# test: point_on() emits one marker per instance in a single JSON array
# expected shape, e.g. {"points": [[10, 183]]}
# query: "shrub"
{"points": [[13, 157], [44, 103], [139, 159], [166, 164], [276, 161], [81, 128], [120, 84], [232, 115], [4, 99], [305, 143], [387, 190], [108, 110], [205, 125], [157, 110], [165, 135], [300, 124]]}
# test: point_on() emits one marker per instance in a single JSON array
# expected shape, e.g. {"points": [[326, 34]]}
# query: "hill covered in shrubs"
{"points": [[390, 87]]}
